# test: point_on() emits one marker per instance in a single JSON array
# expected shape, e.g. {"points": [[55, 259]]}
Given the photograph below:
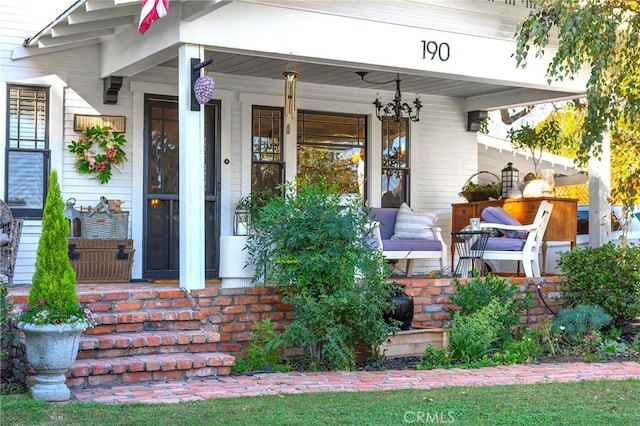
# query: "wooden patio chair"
{"points": [[515, 245], [10, 232]]}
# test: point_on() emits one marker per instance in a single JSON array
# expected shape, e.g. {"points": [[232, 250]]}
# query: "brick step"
{"points": [[142, 298], [159, 342], [147, 368], [152, 320]]}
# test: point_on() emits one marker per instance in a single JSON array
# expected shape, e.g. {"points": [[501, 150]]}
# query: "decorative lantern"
{"points": [[241, 219], [75, 219], [510, 176]]}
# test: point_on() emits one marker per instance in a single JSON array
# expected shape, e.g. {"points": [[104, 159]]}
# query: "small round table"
{"points": [[470, 247]]}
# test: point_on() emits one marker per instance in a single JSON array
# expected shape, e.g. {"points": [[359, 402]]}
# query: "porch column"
{"points": [[191, 152], [599, 193]]}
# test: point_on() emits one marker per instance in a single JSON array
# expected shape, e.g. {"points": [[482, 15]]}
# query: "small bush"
{"points": [[434, 358], [581, 320], [474, 335], [264, 351], [8, 332], [478, 293], [608, 276], [526, 349]]}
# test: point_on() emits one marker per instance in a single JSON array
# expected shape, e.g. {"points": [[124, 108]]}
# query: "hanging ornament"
{"points": [[203, 89]]}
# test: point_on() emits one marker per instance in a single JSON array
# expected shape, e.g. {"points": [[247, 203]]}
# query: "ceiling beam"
{"points": [[27, 52], [80, 17], [516, 97], [87, 27], [91, 5], [58, 41]]}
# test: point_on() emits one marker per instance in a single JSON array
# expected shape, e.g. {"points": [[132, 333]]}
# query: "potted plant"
{"points": [[310, 243], [544, 137], [52, 320]]}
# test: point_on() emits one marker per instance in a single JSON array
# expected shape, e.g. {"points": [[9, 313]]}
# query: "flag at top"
{"points": [[152, 10]]}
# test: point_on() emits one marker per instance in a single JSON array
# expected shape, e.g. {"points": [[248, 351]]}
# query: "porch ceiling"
{"points": [[336, 75]]}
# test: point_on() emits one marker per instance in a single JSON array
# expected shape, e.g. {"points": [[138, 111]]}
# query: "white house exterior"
{"points": [[455, 54]]}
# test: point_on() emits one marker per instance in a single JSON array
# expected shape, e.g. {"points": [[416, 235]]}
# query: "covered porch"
{"points": [[457, 58]]}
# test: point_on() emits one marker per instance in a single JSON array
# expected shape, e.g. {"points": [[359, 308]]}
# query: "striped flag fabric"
{"points": [[152, 10]]}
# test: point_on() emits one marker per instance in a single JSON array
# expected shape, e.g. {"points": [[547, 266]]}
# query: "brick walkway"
{"points": [[292, 383]]}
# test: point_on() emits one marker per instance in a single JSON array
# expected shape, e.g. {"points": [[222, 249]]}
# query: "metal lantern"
{"points": [[241, 220], [510, 176], [75, 219]]}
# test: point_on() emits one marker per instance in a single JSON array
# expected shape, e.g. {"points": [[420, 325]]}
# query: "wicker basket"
{"points": [[101, 261], [482, 192], [103, 225]]}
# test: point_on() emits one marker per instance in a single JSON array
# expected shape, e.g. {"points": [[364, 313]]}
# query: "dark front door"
{"points": [[162, 186]]}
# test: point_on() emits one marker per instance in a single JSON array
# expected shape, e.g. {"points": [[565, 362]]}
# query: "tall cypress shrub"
{"points": [[54, 279]]}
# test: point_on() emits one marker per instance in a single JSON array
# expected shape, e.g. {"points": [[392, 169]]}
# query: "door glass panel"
{"points": [[163, 157]]}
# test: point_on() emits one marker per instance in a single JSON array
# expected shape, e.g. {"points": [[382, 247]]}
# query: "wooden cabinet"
{"points": [[563, 224]]}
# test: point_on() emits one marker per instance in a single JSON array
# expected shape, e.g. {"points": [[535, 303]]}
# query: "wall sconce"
{"points": [[475, 119], [396, 110], [291, 77]]}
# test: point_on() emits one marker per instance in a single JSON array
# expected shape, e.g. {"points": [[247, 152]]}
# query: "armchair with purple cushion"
{"points": [[408, 249], [519, 242]]}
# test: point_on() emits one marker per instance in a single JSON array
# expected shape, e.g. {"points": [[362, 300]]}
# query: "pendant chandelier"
{"points": [[396, 109]]}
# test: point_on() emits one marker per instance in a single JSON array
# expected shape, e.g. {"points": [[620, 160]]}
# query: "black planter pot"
{"points": [[403, 307]]}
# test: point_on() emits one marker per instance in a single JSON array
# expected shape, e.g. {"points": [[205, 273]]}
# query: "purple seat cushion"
{"points": [[412, 245], [504, 244], [387, 218], [499, 215]]}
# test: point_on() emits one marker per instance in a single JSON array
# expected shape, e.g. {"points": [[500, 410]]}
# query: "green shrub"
{"points": [[434, 358], [265, 345], [478, 293], [474, 335], [608, 276], [525, 349], [310, 244], [611, 348], [264, 350], [8, 333], [581, 320]]}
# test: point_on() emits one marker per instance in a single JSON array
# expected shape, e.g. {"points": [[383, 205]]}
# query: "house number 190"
{"points": [[441, 50]]}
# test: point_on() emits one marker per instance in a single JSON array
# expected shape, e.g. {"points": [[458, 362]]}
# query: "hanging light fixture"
{"points": [[291, 77], [396, 110]]}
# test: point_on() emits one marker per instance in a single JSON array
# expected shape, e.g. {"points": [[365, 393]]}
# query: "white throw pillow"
{"points": [[4, 239], [413, 225]]}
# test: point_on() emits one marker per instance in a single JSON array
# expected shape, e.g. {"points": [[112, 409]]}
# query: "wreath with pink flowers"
{"points": [[98, 151]]}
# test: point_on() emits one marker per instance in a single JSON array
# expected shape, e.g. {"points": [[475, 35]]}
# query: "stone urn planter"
{"points": [[51, 351]]}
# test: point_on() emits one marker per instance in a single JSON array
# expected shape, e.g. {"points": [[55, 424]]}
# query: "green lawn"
{"points": [[583, 403]]}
